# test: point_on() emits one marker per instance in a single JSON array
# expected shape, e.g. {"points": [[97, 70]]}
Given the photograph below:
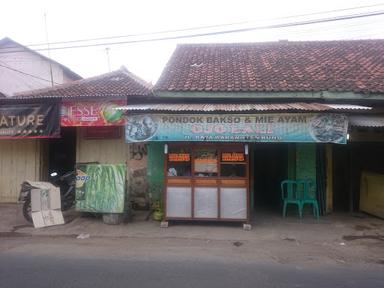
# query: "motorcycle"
{"points": [[66, 183]]}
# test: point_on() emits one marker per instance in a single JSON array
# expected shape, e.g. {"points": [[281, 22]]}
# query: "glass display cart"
{"points": [[207, 182]]}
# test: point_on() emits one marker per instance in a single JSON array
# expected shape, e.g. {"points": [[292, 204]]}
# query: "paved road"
{"points": [[20, 270]]}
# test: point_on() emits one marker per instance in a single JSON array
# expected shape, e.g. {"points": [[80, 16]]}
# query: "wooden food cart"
{"points": [[207, 182]]}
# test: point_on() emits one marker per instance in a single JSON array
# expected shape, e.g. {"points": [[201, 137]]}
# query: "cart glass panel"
{"points": [[205, 162], [233, 163], [179, 162]]}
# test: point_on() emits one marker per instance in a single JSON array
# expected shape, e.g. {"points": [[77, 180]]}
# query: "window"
{"points": [[179, 162], [232, 164], [205, 162]]}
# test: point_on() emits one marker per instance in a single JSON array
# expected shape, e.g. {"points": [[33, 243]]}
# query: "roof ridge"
{"points": [[136, 78], [68, 84]]}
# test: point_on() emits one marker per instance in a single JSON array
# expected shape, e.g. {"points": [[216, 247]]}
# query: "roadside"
{"points": [[334, 239]]}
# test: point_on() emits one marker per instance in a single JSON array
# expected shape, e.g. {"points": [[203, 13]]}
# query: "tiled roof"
{"points": [[355, 66], [114, 84]]}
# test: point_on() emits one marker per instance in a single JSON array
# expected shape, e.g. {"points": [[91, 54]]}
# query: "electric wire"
{"points": [[239, 30], [350, 29], [198, 27]]}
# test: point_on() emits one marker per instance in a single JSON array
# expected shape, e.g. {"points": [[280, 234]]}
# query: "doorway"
{"points": [[62, 152], [269, 169], [349, 161]]}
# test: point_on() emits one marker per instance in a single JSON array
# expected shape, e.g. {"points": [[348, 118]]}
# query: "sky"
{"points": [[69, 20]]}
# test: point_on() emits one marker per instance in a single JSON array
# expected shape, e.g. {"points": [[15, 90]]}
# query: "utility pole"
{"points": [[49, 53], [108, 59]]}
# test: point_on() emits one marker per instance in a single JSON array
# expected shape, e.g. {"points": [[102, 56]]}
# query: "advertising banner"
{"points": [[92, 113], [100, 188], [294, 127], [29, 121]]}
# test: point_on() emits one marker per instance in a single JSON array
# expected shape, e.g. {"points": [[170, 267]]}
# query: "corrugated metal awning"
{"points": [[241, 107], [348, 107], [366, 121]]}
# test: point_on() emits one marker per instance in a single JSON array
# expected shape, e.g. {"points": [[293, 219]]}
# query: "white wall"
{"points": [[12, 81]]}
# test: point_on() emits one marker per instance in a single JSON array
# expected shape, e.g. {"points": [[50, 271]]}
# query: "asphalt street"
{"points": [[336, 251], [31, 270]]}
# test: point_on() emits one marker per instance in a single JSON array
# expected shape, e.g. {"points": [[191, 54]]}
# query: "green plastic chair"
{"points": [[304, 188], [289, 196]]}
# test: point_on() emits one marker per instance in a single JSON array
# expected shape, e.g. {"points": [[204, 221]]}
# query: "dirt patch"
{"points": [[360, 216], [12, 234], [359, 237], [15, 228], [362, 227], [237, 243], [289, 239]]}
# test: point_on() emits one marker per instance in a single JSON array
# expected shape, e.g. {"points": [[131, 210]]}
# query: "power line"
{"points": [[334, 30], [134, 35], [285, 25], [240, 30], [192, 28], [25, 73]]}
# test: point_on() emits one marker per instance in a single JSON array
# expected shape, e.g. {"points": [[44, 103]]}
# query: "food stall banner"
{"points": [[286, 127], [100, 188], [92, 113], [29, 121]]}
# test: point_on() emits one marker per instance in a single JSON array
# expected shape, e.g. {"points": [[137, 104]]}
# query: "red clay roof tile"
{"points": [[119, 83], [355, 66]]}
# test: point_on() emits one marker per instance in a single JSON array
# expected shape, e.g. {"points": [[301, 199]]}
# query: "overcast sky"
{"points": [[23, 21]]}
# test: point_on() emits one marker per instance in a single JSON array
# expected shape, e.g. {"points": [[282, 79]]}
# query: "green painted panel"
{"points": [[291, 158], [155, 169], [306, 162], [100, 188]]}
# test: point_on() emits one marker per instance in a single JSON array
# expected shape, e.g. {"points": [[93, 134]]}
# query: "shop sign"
{"points": [[179, 157], [92, 113], [232, 157], [29, 121], [309, 127]]}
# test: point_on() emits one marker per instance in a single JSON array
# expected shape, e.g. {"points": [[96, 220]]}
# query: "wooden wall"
{"points": [[19, 161], [104, 151], [115, 151]]}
